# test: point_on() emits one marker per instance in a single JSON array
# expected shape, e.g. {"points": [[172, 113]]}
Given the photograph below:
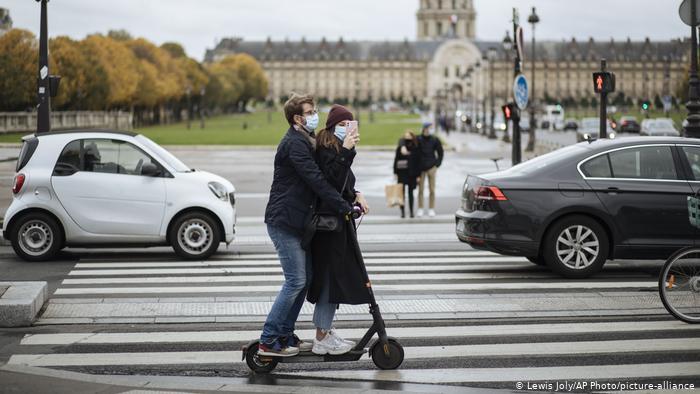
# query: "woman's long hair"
{"points": [[327, 139]]}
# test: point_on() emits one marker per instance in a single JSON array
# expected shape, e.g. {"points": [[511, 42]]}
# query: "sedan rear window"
{"points": [[598, 167], [646, 162]]}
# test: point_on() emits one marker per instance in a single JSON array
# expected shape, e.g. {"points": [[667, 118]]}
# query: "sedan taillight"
{"points": [[18, 183], [490, 193]]}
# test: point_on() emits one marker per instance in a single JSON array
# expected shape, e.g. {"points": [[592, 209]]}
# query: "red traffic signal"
{"points": [[603, 82], [508, 110]]}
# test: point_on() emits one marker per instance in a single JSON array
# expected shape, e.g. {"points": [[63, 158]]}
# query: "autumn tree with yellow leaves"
{"points": [[117, 71]]}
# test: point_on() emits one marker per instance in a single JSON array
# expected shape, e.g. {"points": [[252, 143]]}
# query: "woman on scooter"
{"points": [[337, 276]]}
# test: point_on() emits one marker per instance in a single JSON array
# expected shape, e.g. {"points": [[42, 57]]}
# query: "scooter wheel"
{"points": [[389, 356], [257, 363]]}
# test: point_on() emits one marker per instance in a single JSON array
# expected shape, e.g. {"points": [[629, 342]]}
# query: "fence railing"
{"points": [[25, 122]]}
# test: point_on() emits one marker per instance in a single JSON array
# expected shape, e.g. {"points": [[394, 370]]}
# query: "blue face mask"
{"points": [[312, 122], [340, 132]]}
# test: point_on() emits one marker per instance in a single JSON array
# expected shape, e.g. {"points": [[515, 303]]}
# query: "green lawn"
{"points": [[258, 129]]}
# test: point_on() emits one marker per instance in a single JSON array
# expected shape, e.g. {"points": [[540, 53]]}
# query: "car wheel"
{"points": [[36, 237], [195, 235], [576, 247], [537, 260]]}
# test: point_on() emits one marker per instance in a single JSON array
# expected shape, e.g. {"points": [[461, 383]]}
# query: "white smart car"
{"points": [[111, 189]]}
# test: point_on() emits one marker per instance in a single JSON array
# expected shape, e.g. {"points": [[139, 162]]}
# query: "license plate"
{"points": [[460, 226]]}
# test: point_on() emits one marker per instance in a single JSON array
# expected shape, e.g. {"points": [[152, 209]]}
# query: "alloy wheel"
{"points": [[577, 247]]}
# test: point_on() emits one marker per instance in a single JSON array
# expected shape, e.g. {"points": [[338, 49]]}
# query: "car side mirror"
{"points": [[150, 169]]}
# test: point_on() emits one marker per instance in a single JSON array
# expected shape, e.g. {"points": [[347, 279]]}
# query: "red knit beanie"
{"points": [[338, 114]]}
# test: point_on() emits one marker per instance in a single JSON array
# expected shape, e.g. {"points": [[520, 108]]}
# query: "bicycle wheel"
{"points": [[679, 285]]}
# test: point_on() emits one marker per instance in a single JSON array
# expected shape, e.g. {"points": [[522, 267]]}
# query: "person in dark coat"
{"points": [[431, 160], [297, 183], [407, 168], [337, 274]]}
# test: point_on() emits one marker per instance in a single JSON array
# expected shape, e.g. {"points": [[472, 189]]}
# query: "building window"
{"points": [[454, 4], [439, 4], [426, 29], [439, 28]]}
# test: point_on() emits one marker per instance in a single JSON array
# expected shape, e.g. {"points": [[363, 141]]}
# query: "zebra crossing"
{"points": [[464, 317]]}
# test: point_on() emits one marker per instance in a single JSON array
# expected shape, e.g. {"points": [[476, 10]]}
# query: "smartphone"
{"points": [[353, 127]]}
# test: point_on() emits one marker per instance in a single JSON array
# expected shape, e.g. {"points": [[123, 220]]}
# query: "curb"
{"points": [[21, 302]]}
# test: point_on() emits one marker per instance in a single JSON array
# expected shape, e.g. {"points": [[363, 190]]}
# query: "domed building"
{"points": [[5, 21], [447, 63]]}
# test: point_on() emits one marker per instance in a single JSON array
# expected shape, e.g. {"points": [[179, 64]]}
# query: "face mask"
{"points": [[340, 132], [312, 122]]}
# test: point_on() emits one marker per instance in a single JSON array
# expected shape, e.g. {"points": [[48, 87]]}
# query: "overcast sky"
{"points": [[197, 24]]}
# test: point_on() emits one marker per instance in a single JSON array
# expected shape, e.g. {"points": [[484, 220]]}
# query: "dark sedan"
{"points": [[579, 206]]}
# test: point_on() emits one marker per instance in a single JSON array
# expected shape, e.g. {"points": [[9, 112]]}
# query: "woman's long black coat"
{"points": [[336, 254]]}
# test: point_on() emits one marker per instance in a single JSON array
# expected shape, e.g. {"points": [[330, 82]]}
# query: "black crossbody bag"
{"points": [[323, 222]]}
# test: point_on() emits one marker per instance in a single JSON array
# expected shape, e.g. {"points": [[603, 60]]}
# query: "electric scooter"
{"points": [[386, 352]]}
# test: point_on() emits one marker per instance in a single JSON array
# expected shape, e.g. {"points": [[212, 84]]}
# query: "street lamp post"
{"points": [[357, 101], [202, 92], [482, 96], [492, 59], [44, 97], [507, 47], [533, 19]]}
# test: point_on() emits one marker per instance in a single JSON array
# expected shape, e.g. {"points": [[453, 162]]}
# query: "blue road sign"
{"points": [[521, 91]]}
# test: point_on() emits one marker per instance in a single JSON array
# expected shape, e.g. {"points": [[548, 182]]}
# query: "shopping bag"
{"points": [[394, 195]]}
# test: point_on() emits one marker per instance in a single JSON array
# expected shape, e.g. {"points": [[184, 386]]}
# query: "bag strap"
{"points": [[315, 202]]}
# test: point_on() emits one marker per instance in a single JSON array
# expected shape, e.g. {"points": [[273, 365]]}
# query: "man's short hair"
{"points": [[295, 106]]}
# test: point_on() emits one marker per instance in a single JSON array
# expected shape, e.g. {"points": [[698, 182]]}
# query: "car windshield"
{"points": [[590, 123], [546, 160], [663, 124], [168, 157]]}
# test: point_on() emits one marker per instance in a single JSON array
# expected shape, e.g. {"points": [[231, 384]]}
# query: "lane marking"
{"points": [[421, 352], [276, 263], [523, 375], [279, 278], [400, 332], [379, 287]]}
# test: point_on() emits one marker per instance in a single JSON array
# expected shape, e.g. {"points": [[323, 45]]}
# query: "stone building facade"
{"points": [[5, 21], [447, 62]]}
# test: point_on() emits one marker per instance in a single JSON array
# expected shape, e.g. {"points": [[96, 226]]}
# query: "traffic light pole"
{"points": [[44, 96], [603, 106], [516, 155], [693, 105]]}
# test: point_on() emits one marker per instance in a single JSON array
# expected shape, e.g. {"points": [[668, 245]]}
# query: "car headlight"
{"points": [[219, 191]]}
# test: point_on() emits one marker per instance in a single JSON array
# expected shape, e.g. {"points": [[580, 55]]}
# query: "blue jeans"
{"points": [[324, 311], [296, 265]]}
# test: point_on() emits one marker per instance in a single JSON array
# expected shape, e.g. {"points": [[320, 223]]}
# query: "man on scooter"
{"points": [[297, 181]]}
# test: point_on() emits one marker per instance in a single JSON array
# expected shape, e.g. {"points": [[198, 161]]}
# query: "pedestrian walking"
{"points": [[431, 155], [337, 275], [407, 168], [297, 182]]}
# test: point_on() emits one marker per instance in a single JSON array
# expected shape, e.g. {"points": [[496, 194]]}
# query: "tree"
{"points": [[225, 87], [174, 49], [658, 104], [249, 74], [121, 68], [19, 68], [82, 84]]}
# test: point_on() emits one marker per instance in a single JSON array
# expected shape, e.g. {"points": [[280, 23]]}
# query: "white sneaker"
{"points": [[431, 213], [330, 345], [338, 337], [419, 213]]}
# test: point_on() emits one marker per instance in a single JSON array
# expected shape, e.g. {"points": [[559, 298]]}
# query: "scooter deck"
{"points": [[309, 357]]}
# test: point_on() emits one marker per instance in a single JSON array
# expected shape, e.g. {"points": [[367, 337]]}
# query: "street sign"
{"points": [[519, 37], [521, 91], [684, 11]]}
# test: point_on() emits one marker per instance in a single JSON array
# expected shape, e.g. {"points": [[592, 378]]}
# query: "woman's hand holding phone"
{"points": [[352, 137]]}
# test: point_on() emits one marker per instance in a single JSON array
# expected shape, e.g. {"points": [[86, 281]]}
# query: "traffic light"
{"points": [[645, 105], [509, 111], [603, 82]]}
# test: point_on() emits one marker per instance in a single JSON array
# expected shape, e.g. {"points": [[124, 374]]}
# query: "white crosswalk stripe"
{"points": [[440, 293]]}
